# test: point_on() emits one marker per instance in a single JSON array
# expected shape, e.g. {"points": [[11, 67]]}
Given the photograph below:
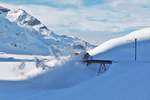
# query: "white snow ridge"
{"points": [[37, 64]]}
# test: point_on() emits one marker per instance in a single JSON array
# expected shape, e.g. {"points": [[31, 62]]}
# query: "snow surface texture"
{"points": [[63, 76], [128, 81], [21, 33]]}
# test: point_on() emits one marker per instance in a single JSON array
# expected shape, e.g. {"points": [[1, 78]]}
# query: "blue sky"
{"points": [[53, 3], [93, 20]]}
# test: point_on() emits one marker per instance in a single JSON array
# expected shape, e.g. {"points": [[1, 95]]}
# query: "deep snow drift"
{"points": [[123, 48]]}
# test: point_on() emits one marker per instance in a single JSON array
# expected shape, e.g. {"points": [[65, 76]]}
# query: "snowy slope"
{"points": [[21, 33], [123, 48], [64, 76], [14, 39], [128, 82], [22, 67]]}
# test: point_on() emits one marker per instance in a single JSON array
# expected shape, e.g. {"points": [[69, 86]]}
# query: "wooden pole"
{"points": [[135, 49]]}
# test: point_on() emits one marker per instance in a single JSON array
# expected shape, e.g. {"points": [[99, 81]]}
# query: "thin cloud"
{"points": [[68, 2]]}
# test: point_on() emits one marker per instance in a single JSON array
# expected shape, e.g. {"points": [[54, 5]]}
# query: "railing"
{"points": [[103, 64]]}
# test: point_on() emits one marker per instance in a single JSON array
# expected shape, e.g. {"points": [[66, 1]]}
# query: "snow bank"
{"points": [[65, 75], [124, 81], [128, 81], [123, 48]]}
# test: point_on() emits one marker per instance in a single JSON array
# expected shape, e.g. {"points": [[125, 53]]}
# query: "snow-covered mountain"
{"points": [[21, 33]]}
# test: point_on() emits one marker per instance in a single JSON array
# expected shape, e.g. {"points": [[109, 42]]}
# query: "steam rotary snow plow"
{"points": [[103, 64]]}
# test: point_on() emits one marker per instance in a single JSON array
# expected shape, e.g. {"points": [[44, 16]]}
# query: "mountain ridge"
{"points": [[39, 39]]}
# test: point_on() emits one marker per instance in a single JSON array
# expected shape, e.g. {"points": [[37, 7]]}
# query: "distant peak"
{"points": [[21, 11], [17, 15], [23, 18]]}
